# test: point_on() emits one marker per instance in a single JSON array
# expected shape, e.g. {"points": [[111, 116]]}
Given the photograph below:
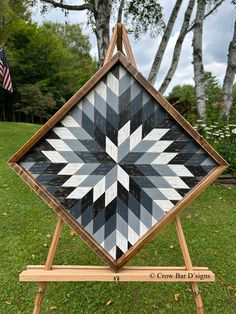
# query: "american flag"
{"points": [[4, 72]]}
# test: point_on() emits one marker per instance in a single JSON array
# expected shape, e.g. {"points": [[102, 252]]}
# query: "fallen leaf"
{"points": [[8, 302], [188, 217], [4, 214], [222, 281], [108, 303], [177, 296], [171, 246], [72, 233], [53, 307], [230, 287], [48, 235]]}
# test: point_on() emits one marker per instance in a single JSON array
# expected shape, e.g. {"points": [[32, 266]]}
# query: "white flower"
{"points": [[234, 131]]}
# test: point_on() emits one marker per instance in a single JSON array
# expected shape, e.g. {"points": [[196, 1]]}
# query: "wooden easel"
{"points": [[49, 273]]}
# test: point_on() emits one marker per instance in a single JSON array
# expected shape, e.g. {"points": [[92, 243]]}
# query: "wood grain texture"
{"points": [[87, 273]]}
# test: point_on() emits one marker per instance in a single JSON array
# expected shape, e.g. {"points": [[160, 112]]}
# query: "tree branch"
{"points": [[206, 15], [80, 7]]}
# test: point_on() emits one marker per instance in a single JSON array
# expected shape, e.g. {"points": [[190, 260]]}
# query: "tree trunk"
{"points": [[197, 60], [162, 47], [229, 78], [178, 47], [102, 14], [101, 11]]}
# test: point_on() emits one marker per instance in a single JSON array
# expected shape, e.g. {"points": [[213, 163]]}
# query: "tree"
{"points": [[212, 89], [178, 47], [198, 68], [164, 41], [33, 103], [183, 98], [11, 12], [42, 56], [144, 15], [229, 78]]}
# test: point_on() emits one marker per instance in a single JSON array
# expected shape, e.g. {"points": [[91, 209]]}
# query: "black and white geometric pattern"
{"points": [[118, 162]]}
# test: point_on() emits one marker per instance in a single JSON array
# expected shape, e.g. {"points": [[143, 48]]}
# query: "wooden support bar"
{"points": [[188, 263], [51, 253], [111, 46], [119, 42], [128, 47], [96, 273]]}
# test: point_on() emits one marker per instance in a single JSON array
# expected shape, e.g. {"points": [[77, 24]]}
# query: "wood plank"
{"points": [[128, 47], [104, 268], [119, 42], [111, 46], [147, 274]]}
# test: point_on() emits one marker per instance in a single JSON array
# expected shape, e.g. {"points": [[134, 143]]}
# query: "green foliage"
{"points": [[53, 57], [71, 35], [213, 96], [183, 98], [33, 103], [144, 16], [223, 138], [26, 229], [221, 135], [11, 12]]}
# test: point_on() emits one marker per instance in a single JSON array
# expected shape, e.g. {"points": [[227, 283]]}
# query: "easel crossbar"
{"points": [[100, 273]]}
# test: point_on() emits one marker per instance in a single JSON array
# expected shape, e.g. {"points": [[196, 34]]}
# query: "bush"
{"points": [[223, 138]]}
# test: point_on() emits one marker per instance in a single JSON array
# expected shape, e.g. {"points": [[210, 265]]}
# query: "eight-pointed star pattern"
{"points": [[117, 162]]}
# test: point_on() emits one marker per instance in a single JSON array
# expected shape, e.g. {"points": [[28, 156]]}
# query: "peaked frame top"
{"points": [[179, 199]]}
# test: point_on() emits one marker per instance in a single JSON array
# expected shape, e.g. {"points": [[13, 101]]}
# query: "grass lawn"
{"points": [[27, 225]]}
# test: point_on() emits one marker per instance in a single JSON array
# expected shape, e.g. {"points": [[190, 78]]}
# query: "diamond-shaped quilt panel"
{"points": [[117, 162]]}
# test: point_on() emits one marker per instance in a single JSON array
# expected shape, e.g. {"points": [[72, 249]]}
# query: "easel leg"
{"points": [[48, 265], [188, 263]]}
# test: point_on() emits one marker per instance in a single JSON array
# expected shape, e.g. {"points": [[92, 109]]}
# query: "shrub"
{"points": [[223, 138]]}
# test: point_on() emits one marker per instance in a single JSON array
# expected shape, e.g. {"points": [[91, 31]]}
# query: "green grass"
{"points": [[27, 224]]}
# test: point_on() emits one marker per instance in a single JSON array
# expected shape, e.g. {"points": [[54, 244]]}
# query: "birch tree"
{"points": [[178, 47], [163, 44], [226, 102], [198, 68]]}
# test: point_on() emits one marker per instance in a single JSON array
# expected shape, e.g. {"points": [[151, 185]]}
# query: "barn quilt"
{"points": [[117, 163]]}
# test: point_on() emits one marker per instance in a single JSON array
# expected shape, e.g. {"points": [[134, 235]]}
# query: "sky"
{"points": [[217, 34]]}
